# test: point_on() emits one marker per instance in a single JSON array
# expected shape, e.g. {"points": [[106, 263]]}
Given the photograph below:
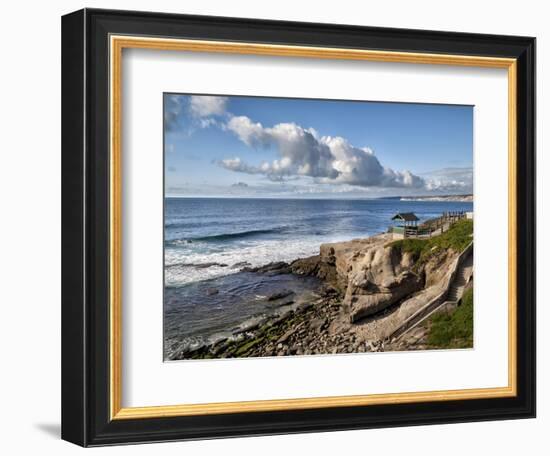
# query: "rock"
{"points": [[281, 318], [289, 333], [305, 266], [285, 337], [304, 306], [219, 346], [371, 273], [240, 264], [386, 293], [208, 265], [279, 267], [318, 323], [286, 302], [328, 291], [252, 326], [436, 268], [212, 291], [280, 295]]}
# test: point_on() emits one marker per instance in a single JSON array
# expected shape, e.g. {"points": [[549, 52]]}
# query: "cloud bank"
{"points": [[304, 153], [450, 180]]}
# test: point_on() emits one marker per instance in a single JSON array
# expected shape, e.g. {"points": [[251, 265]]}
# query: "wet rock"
{"points": [[246, 328], [304, 306], [279, 267], [212, 291], [280, 295], [306, 266], [208, 265], [286, 302], [219, 347], [281, 318]]}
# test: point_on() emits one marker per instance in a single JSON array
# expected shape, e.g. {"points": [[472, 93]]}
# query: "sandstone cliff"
{"points": [[373, 274]]}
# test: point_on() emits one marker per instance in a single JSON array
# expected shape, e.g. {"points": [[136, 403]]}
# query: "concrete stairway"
{"points": [[462, 276], [456, 290]]}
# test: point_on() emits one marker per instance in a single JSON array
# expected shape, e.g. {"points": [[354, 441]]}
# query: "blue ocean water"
{"points": [[208, 240]]}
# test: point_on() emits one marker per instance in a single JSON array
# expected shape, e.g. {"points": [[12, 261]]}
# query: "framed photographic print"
{"points": [[278, 227]]}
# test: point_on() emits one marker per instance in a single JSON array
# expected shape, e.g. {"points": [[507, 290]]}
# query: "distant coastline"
{"points": [[468, 198], [451, 198]]}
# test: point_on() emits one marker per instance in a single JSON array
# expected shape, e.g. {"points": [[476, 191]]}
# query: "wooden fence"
{"points": [[430, 228]]}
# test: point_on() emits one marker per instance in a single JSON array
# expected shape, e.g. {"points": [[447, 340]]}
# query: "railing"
{"points": [[454, 215], [436, 226]]}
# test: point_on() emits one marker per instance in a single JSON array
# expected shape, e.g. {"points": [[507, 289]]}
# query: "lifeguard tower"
{"points": [[405, 225]]}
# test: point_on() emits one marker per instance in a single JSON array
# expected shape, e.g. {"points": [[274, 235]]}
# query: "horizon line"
{"points": [[314, 198]]}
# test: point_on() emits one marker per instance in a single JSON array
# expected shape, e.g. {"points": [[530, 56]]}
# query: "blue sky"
{"points": [[277, 147]]}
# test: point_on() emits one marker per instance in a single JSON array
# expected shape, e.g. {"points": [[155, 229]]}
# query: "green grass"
{"points": [[454, 330], [456, 238]]}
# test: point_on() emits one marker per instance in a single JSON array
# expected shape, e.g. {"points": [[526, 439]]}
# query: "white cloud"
{"points": [[236, 164], [250, 133], [205, 105], [450, 180], [208, 122], [303, 153]]}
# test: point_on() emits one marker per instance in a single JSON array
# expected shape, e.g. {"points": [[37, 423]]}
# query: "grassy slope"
{"points": [[454, 330], [456, 238]]}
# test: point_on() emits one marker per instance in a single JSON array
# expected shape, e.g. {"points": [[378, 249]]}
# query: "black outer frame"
{"points": [[85, 227]]}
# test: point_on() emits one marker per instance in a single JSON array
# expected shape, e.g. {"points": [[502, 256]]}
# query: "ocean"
{"points": [[208, 240]]}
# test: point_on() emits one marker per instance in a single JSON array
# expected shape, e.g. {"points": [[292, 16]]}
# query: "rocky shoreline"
{"points": [[370, 287]]}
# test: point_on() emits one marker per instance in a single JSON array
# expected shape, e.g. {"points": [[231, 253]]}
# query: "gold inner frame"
{"points": [[117, 44]]}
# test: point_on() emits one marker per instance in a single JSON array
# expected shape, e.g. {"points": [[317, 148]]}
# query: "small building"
{"points": [[405, 224], [406, 218]]}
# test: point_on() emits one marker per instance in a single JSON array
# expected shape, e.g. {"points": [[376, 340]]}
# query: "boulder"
{"points": [[370, 273], [275, 268], [367, 298], [280, 295]]}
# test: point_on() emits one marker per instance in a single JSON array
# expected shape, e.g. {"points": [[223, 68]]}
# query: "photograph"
{"points": [[316, 226]]}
